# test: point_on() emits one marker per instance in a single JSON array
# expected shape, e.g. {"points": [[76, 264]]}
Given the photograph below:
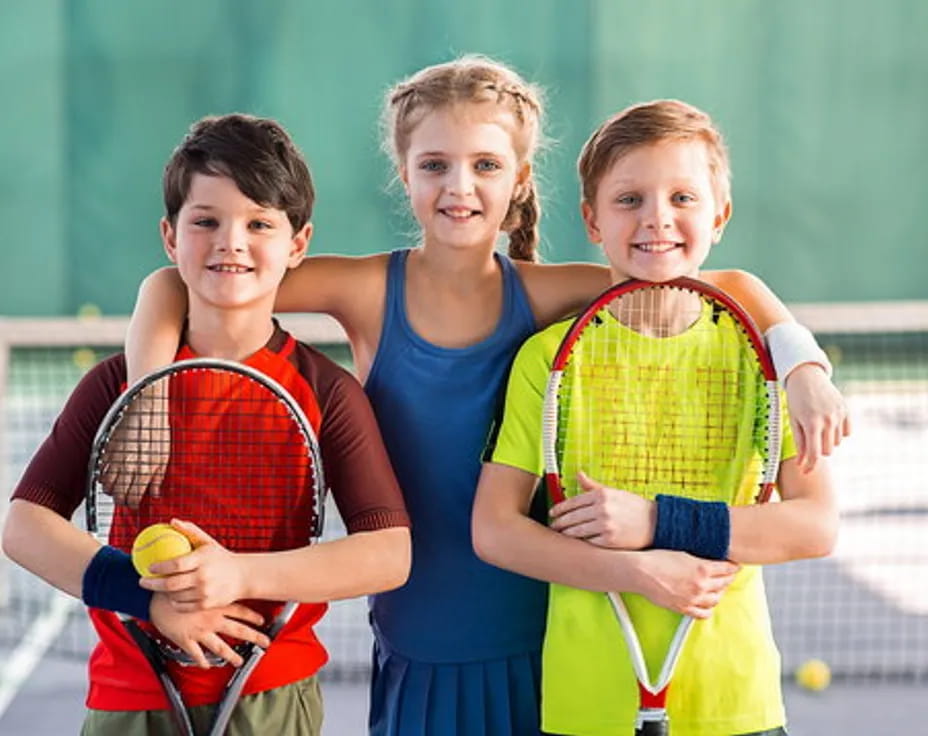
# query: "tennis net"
{"points": [[864, 610]]}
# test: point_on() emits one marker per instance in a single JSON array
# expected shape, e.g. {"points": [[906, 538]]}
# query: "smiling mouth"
{"points": [[458, 213], [229, 268], [664, 246]]}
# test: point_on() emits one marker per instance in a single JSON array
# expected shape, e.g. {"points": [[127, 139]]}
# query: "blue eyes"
{"points": [[482, 166], [487, 165], [212, 223], [634, 200]]}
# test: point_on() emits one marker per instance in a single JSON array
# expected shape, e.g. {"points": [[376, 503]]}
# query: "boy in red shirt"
{"points": [[238, 198]]}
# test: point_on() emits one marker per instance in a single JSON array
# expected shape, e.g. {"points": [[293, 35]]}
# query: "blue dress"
{"points": [[457, 649]]}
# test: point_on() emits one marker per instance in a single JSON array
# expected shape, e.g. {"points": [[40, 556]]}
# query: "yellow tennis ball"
{"points": [[157, 543], [84, 358], [814, 675], [89, 311]]}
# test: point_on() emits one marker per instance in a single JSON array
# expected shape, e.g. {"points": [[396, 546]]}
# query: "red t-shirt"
{"points": [[357, 471]]}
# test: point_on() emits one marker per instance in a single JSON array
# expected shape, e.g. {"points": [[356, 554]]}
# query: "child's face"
{"points": [[231, 252], [656, 213], [460, 172]]}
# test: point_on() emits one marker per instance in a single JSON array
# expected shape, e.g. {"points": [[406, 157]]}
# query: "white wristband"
{"points": [[791, 344]]}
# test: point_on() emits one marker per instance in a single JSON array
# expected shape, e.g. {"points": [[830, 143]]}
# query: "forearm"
{"points": [[359, 564], [505, 536], [157, 320], [803, 525], [48, 545], [522, 545]]}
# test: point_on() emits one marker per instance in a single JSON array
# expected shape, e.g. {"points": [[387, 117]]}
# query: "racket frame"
{"points": [[652, 713], [159, 651]]}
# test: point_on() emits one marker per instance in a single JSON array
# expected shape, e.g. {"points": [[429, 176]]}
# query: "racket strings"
{"points": [[235, 460], [660, 396]]}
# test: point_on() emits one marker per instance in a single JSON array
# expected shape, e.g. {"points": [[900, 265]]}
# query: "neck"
{"points": [[458, 266], [230, 334], [659, 312]]}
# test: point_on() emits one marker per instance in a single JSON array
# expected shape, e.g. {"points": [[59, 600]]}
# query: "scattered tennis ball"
{"points": [[88, 311], [814, 674], [157, 543], [84, 358]]}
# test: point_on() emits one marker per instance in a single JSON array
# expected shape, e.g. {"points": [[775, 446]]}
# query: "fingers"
{"points": [[799, 438], [244, 632], [195, 534], [244, 614], [221, 648], [192, 648]]}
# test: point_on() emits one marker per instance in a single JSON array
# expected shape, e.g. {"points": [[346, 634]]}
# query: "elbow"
{"points": [[397, 559], [824, 541], [12, 536], [485, 540]]}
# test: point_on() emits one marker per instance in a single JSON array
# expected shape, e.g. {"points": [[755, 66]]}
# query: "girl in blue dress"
{"points": [[433, 330]]}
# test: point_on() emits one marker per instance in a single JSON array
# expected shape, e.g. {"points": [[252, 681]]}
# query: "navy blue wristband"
{"points": [[702, 528], [112, 583]]}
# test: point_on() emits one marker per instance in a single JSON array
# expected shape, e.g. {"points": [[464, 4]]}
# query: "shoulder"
{"points": [[556, 290], [103, 383], [533, 361], [323, 374], [731, 279]]}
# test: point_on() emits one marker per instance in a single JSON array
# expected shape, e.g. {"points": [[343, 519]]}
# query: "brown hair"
{"points": [[648, 123], [257, 153], [474, 79]]}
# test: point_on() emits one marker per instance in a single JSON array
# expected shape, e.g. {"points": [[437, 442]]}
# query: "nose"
{"points": [[232, 239], [657, 215], [460, 181]]}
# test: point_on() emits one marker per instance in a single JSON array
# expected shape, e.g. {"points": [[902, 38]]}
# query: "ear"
{"points": [[523, 176], [721, 220], [299, 245], [403, 174], [168, 239], [589, 221]]}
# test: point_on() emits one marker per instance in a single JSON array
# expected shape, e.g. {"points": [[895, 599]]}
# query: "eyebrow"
{"points": [[211, 208], [478, 154]]}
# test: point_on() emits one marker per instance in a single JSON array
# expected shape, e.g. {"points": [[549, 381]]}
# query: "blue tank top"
{"points": [[435, 407]]}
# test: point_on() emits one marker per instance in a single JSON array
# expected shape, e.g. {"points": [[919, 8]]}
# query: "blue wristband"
{"points": [[702, 528], [112, 583]]}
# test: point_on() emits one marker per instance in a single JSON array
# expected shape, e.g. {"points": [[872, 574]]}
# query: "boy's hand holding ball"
{"points": [[157, 543]]}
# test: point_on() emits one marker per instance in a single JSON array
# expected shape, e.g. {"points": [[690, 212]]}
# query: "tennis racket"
{"points": [[244, 464], [662, 388]]}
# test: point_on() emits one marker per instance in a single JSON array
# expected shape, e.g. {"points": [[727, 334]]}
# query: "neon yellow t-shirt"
{"points": [[728, 678]]}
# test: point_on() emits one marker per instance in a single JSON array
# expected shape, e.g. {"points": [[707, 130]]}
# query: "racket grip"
{"points": [[654, 728]]}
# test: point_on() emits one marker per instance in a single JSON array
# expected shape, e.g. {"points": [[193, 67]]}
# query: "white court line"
{"points": [[37, 640]]}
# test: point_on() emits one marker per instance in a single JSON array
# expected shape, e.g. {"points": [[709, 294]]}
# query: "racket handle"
{"points": [[179, 715], [652, 722]]}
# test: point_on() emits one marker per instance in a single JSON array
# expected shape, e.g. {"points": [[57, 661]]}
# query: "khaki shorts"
{"points": [[291, 710]]}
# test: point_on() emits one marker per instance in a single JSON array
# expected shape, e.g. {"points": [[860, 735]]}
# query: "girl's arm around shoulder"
{"points": [[754, 295], [504, 535], [351, 289], [157, 321], [556, 291], [818, 413]]}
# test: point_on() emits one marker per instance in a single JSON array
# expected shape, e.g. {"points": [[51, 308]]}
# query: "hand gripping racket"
{"points": [[243, 463], [662, 388]]}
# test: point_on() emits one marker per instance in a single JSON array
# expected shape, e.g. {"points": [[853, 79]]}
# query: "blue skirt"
{"points": [[498, 697]]}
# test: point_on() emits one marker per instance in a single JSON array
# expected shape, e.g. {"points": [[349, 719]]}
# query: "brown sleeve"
{"points": [[357, 469], [57, 473]]}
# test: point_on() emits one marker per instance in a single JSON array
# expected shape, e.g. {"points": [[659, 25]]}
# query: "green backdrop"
{"points": [[823, 102]]}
